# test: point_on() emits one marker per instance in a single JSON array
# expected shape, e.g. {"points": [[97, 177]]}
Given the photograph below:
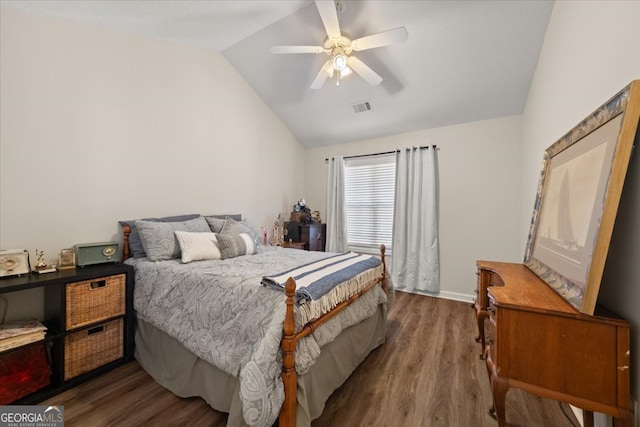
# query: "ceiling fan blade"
{"points": [[364, 71], [329, 16], [296, 49], [385, 38], [325, 72]]}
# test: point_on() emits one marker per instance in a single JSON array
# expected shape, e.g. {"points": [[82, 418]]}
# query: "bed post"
{"points": [[289, 375], [126, 252], [384, 269]]}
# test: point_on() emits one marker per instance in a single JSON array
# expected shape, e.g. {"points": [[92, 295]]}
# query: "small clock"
{"points": [[14, 262]]}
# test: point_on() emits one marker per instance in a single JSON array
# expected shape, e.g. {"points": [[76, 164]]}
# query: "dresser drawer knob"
{"points": [[623, 368]]}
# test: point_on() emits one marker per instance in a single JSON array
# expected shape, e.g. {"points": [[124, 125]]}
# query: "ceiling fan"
{"points": [[339, 47]]}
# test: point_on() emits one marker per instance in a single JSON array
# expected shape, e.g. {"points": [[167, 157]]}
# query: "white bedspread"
{"points": [[221, 312]]}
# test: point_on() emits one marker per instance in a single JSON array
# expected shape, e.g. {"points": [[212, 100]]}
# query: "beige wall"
{"points": [[479, 166], [591, 51], [99, 126]]}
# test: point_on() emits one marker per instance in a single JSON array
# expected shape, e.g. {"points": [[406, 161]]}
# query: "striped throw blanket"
{"points": [[323, 284]]}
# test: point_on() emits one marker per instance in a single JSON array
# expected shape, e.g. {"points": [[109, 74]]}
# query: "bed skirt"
{"points": [[183, 373]]}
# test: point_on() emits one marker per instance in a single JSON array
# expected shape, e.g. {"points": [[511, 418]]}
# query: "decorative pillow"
{"points": [[232, 226], [236, 227], [159, 240], [257, 237], [234, 245], [237, 217], [198, 246], [135, 244], [215, 224]]}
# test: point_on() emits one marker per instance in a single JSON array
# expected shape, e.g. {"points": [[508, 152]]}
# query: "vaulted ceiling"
{"points": [[463, 61]]}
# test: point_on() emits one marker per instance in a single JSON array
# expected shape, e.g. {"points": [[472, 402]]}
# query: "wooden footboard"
{"points": [[290, 341], [290, 337]]}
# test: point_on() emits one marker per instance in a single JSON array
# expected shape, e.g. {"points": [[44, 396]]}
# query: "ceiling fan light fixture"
{"points": [[345, 72], [339, 62], [339, 46]]}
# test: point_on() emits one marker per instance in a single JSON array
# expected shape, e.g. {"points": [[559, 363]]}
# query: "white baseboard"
{"points": [[599, 420], [445, 295], [578, 414]]}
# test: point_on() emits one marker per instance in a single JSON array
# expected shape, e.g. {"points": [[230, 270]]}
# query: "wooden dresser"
{"points": [[539, 343], [314, 236]]}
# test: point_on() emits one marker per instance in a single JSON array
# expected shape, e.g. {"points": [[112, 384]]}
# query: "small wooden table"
{"points": [[293, 245]]}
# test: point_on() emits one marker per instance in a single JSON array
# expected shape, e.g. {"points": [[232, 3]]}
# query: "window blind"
{"points": [[369, 198]]}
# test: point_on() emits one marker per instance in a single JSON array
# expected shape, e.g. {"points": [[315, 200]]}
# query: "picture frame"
{"points": [[577, 199], [66, 259]]}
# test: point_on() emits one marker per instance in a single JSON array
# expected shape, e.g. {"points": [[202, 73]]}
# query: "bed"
{"points": [[233, 331]]}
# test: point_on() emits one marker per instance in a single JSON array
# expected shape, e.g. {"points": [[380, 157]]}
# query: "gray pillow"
{"points": [[217, 221], [237, 217], [257, 237], [159, 240], [135, 244], [236, 227], [215, 224], [234, 245], [232, 226]]}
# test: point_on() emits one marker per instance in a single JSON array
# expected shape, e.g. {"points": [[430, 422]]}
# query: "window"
{"points": [[369, 197]]}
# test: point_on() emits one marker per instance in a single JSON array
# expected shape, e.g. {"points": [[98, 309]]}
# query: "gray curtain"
{"points": [[415, 259], [336, 212]]}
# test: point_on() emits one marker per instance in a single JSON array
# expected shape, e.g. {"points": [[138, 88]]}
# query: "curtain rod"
{"points": [[424, 147]]}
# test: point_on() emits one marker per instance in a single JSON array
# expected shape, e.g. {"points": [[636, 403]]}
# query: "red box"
{"points": [[22, 371]]}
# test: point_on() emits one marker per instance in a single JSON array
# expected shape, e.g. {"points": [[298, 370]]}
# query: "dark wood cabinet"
{"points": [[313, 236], [539, 343], [89, 317]]}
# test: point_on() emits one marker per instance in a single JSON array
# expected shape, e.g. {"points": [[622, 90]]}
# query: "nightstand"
{"points": [[312, 235], [293, 245], [89, 317]]}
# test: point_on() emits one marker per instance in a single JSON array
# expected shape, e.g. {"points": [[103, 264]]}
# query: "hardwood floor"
{"points": [[437, 380]]}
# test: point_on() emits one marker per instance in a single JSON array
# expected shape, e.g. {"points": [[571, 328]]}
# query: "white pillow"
{"points": [[198, 246]]}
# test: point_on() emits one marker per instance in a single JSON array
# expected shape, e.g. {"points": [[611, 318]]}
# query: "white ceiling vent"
{"points": [[361, 107]]}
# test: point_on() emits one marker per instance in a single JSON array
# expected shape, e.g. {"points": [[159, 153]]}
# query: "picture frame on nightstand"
{"points": [[66, 259]]}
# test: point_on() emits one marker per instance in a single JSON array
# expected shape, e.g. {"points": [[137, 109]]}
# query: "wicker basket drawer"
{"points": [[95, 300], [91, 348]]}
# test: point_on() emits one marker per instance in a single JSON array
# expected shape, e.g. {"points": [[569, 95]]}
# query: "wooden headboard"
{"points": [[126, 251]]}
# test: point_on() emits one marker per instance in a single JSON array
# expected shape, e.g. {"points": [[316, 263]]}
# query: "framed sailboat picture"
{"points": [[577, 199]]}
